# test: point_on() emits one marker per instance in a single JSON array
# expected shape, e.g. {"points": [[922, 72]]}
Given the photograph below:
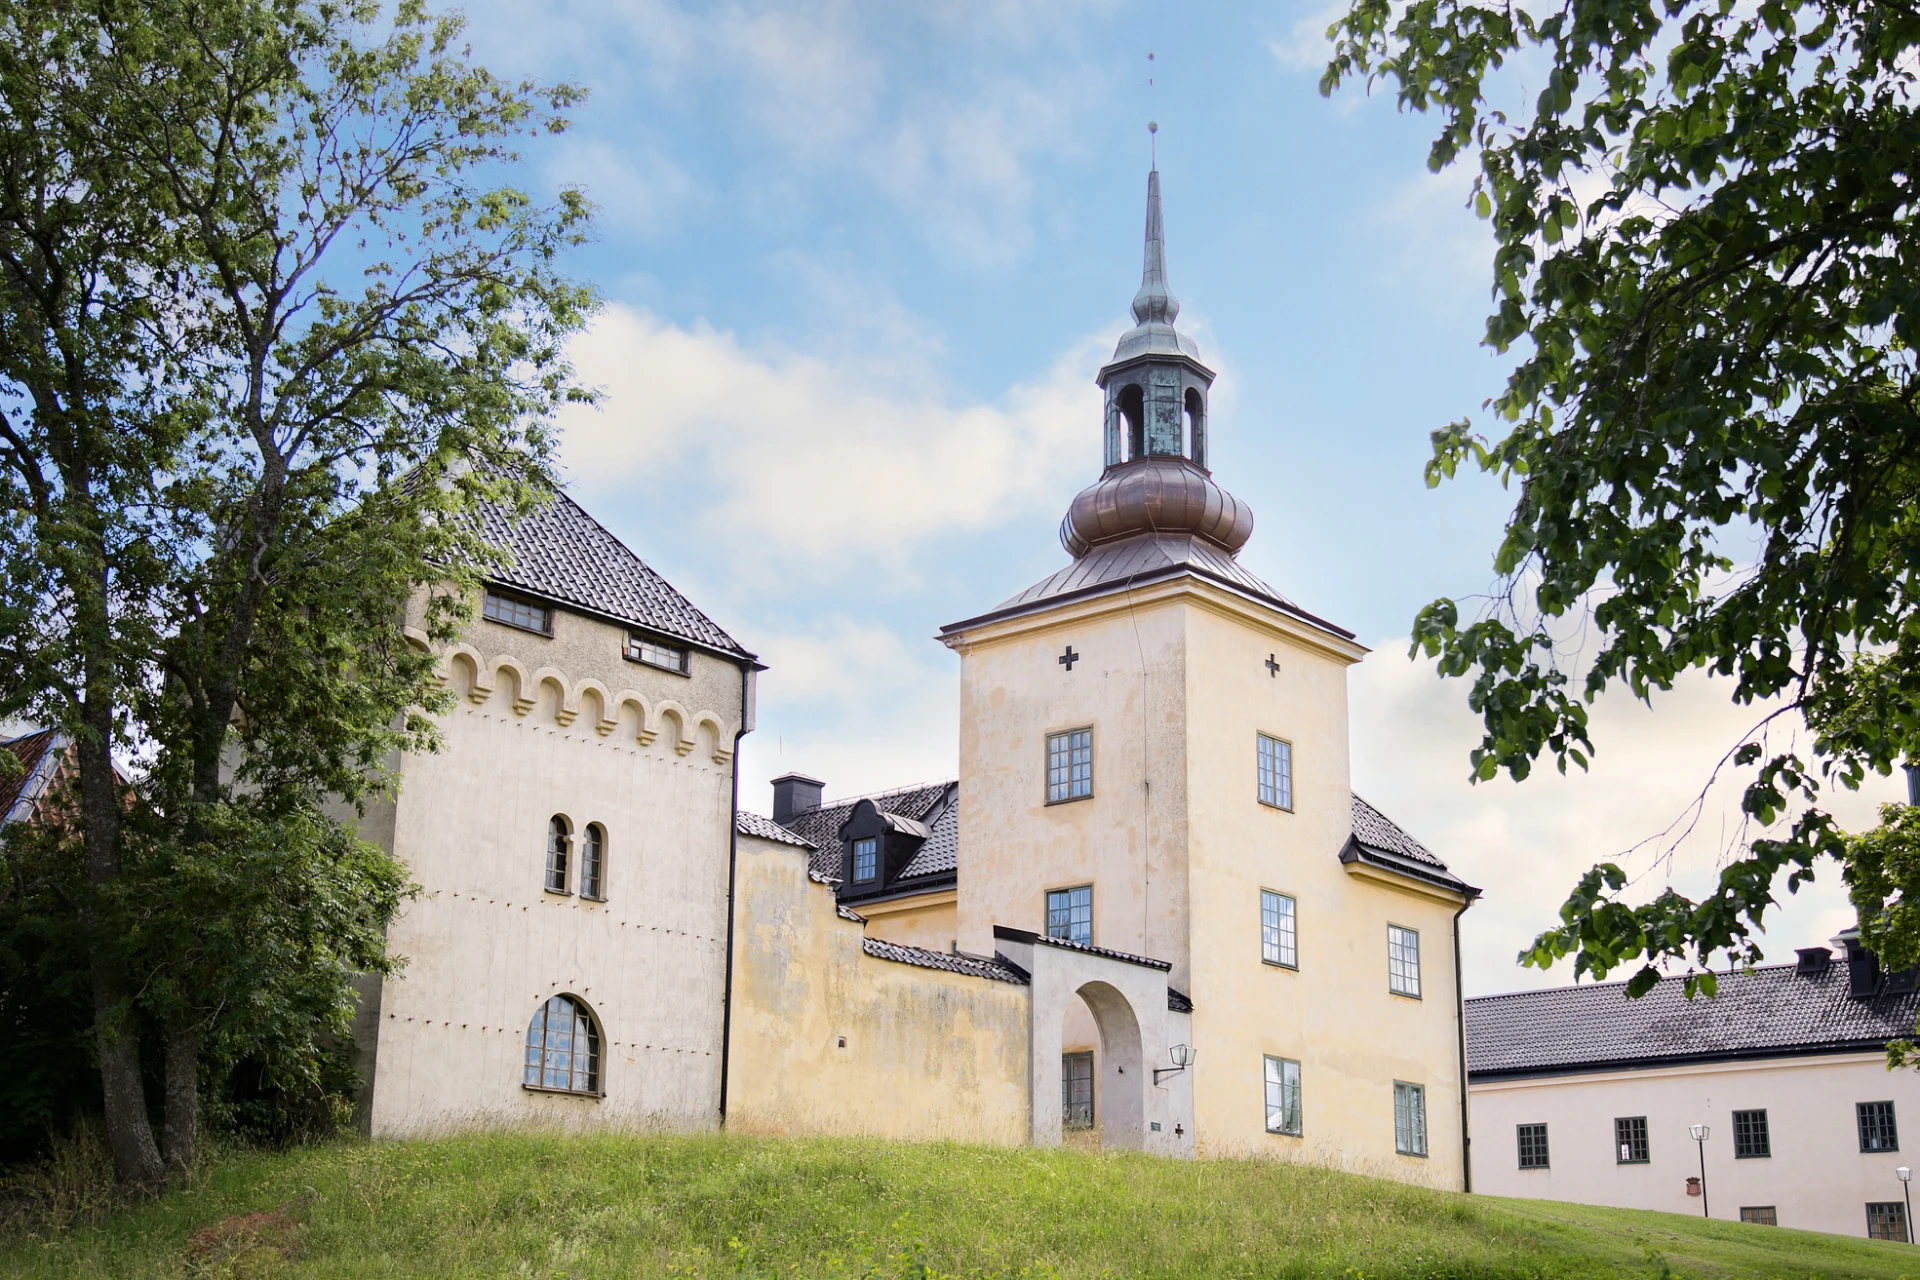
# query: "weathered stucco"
{"points": [[544, 726], [1816, 1178], [829, 1040], [922, 920]]}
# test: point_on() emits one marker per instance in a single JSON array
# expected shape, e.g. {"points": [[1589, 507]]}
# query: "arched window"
{"points": [[1133, 407], [563, 1048], [559, 848], [1196, 427], [593, 862]]}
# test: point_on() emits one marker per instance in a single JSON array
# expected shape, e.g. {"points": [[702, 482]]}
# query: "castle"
{"points": [[1150, 912]]}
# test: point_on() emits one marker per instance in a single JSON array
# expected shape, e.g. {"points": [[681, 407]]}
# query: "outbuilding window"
{"points": [[1069, 765], [1750, 1138], [1760, 1215], [563, 1048], [1403, 961], [1409, 1118], [559, 852], [1533, 1145], [1630, 1140], [1876, 1126], [1887, 1220], [1283, 1096]]}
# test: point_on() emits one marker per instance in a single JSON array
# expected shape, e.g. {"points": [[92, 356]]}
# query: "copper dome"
{"points": [[1155, 495]]}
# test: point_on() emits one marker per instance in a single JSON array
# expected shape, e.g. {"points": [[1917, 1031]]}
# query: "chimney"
{"points": [[1863, 967], [795, 794], [1913, 784], [1814, 961]]}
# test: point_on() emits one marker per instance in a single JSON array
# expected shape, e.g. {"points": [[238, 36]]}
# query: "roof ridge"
{"points": [[892, 791], [1621, 982]]}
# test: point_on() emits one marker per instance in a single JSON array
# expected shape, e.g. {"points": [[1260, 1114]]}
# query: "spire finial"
{"points": [[1155, 301]]}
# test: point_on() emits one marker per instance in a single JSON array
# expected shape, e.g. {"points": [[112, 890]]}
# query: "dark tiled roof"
{"points": [[1137, 561], [940, 855], [36, 758], [752, 824], [1041, 939], [558, 552], [1378, 841], [1771, 1011], [971, 965], [821, 827], [1179, 1001], [846, 914]]}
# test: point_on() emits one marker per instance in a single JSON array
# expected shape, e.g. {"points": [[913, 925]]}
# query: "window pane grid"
{"points": [[1750, 1141], [1761, 1215], [653, 654], [1076, 1090], [593, 863], [1877, 1132], [1409, 1118], [1630, 1140], [514, 613], [1887, 1220], [1277, 929], [1533, 1145], [563, 1048], [1403, 961], [558, 840], [1276, 771], [1283, 1096], [866, 859], [1069, 765], [1070, 914]]}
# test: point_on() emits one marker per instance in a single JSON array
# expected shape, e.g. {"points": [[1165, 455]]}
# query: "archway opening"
{"points": [[1196, 427], [1133, 408], [1102, 1063]]}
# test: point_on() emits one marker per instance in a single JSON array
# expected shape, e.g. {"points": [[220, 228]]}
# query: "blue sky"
{"points": [[862, 261]]}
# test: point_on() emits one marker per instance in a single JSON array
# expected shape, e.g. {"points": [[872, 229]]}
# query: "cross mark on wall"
{"points": [[1272, 666], [1068, 658]]}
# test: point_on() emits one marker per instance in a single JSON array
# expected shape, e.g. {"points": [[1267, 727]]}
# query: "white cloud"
{"points": [[817, 466], [1527, 843], [1305, 47]]}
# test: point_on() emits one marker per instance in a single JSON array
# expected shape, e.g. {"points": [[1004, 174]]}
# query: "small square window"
{"points": [[866, 860], [1283, 1096], [1750, 1139], [1533, 1145], [1276, 930], [1887, 1220], [1877, 1132], [1275, 760], [517, 613], [1630, 1140], [655, 654], [1409, 1118], [1760, 1215], [1403, 961], [1070, 914], [1069, 765]]}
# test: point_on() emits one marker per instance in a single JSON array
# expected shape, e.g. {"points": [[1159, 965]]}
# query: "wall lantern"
{"points": [[1181, 1055], [1699, 1132]]}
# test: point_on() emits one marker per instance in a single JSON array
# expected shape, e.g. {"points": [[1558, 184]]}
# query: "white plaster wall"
{"points": [[484, 945], [1817, 1178]]}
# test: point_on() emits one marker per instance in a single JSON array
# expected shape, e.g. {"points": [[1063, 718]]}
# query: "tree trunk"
{"points": [[183, 1096]]}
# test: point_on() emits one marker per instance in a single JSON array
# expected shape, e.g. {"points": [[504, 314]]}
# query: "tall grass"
{"points": [[550, 1206]]}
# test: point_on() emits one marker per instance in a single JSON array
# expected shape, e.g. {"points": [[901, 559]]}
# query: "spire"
{"points": [[1155, 301]]}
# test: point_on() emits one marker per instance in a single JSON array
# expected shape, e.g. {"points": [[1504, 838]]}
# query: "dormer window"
{"points": [[522, 614], [655, 654], [866, 860]]}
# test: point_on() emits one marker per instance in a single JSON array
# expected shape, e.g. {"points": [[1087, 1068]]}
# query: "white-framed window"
{"points": [[1275, 761], [1409, 1118], [523, 614], [866, 859], [563, 1048], [1277, 937], [593, 862], [559, 853], [1070, 914], [1069, 765], [1403, 961], [1283, 1096], [655, 654]]}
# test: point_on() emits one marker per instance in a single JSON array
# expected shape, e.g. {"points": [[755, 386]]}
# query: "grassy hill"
{"points": [[523, 1205]]}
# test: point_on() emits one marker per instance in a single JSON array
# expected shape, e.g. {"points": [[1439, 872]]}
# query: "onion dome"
{"points": [[1166, 495]]}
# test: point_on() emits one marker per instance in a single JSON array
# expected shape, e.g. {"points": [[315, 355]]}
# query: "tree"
{"points": [[1706, 254], [269, 322]]}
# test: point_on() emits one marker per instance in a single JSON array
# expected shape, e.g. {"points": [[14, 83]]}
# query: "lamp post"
{"points": [[1906, 1189], [1699, 1132]]}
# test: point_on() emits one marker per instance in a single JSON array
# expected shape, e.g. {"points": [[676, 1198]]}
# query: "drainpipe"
{"points": [[733, 863], [1460, 1016]]}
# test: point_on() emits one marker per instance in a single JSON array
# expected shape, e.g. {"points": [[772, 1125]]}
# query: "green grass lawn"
{"points": [[545, 1206]]}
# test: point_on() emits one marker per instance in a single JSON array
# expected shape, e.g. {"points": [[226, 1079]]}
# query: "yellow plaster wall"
{"points": [[927, 920], [928, 1054]]}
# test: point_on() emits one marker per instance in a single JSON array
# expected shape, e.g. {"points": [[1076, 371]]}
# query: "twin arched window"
{"points": [[593, 858], [563, 1048]]}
